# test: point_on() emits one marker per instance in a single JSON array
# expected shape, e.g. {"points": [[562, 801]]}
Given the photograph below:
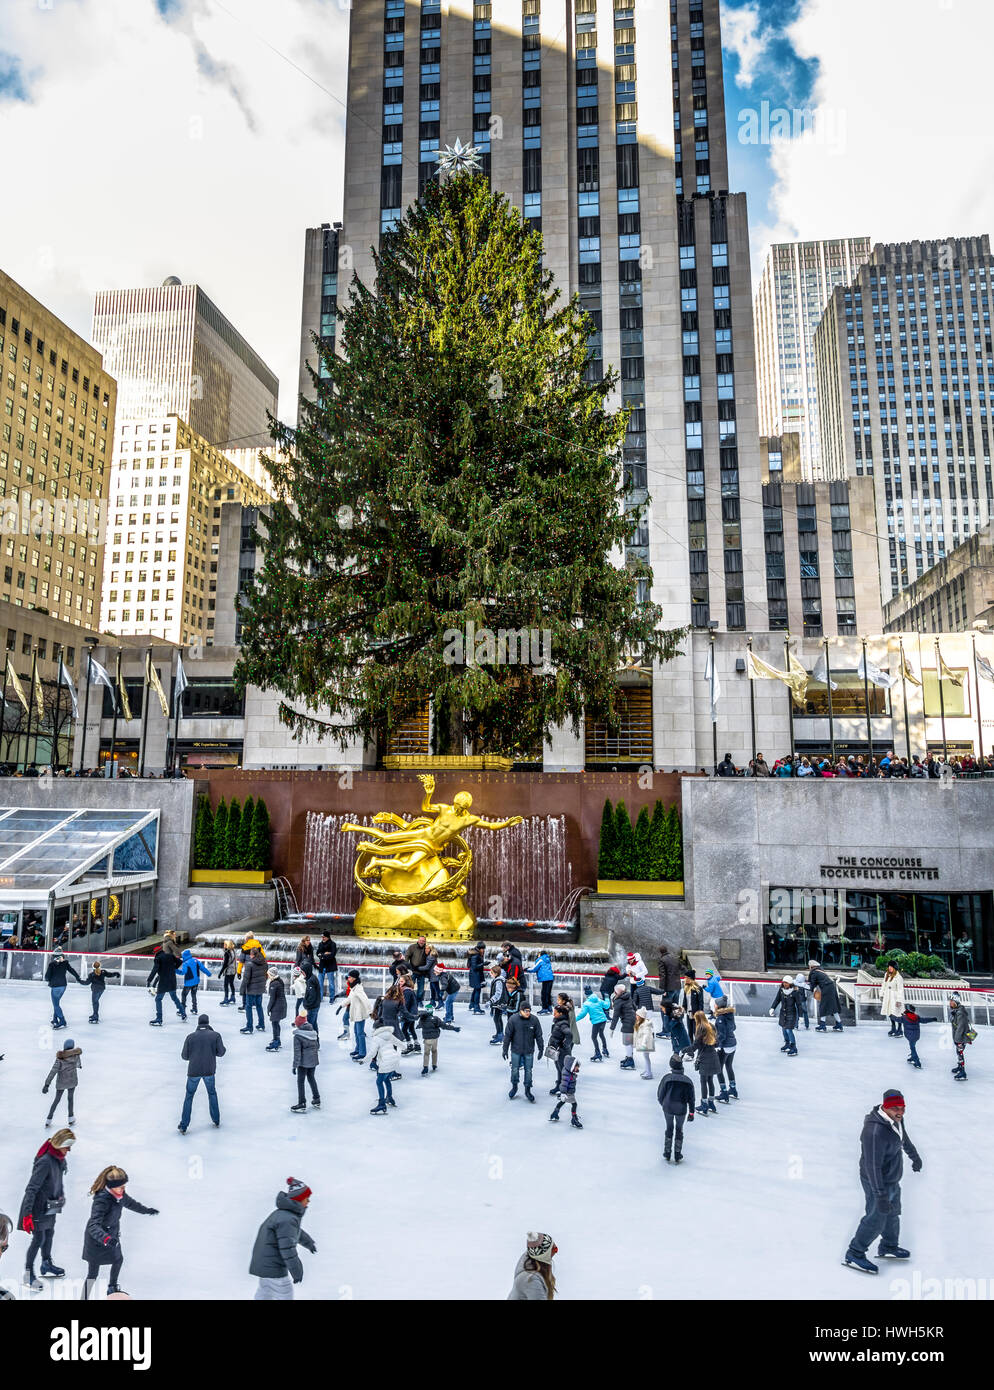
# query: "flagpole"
{"points": [[790, 703], [3, 704], [904, 694], [976, 684], [866, 696], [714, 722], [31, 710], [141, 760], [942, 700], [86, 709], [828, 683], [752, 706], [58, 711], [113, 730], [177, 696]]}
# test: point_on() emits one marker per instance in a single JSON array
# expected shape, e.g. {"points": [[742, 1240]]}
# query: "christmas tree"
{"points": [[259, 847], [607, 857], [232, 832], [245, 835], [219, 851], [455, 467], [203, 835]]}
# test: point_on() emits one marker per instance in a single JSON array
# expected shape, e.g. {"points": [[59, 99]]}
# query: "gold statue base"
{"points": [[439, 921]]}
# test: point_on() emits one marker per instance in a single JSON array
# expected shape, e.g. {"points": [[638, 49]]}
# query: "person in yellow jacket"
{"points": [[250, 944]]}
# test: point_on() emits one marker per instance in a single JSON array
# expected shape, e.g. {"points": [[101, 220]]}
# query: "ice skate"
{"points": [[885, 1252], [574, 1121], [50, 1271], [528, 1093], [32, 1282], [298, 1109], [860, 1262]]}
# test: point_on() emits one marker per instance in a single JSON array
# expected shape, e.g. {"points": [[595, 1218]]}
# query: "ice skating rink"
{"points": [[433, 1200]]}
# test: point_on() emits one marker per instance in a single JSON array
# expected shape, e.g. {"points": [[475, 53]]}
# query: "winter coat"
{"points": [[254, 976], [386, 1013], [642, 996], [276, 1008], [960, 1022], [669, 972], [163, 972], [409, 1010], [298, 988], [913, 1025], [191, 970], [724, 1026], [417, 958], [448, 983], [567, 1084], [274, 1254], [706, 1054], [44, 1187], [228, 966], [891, 996], [714, 987], [543, 970], [679, 1036], [431, 1025], [98, 983], [691, 999], [327, 955], [105, 1220], [636, 969], [201, 1049], [829, 1001], [498, 992], [65, 1069], [611, 978], [359, 1005], [306, 1046], [476, 967], [561, 1036], [676, 1093], [304, 953], [595, 1008], [790, 1008], [528, 1286], [623, 1012], [312, 992], [645, 1037], [248, 946], [55, 975], [522, 1035], [880, 1161], [573, 1029], [383, 1049]]}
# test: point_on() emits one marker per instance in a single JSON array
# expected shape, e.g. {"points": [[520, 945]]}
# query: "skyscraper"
{"points": [[797, 283], [172, 351], [627, 181], [320, 298], [905, 367]]}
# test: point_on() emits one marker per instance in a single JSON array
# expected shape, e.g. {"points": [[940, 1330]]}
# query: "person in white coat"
{"points": [[892, 1000], [383, 1053], [803, 995], [359, 1010], [644, 1042], [635, 967]]}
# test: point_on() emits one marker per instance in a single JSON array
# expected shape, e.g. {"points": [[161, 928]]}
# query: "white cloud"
{"points": [[190, 148], [904, 149], [740, 35]]}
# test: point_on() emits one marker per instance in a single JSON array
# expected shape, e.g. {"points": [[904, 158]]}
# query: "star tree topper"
{"points": [[459, 158]]}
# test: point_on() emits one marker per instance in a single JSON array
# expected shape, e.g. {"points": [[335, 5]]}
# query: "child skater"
{"points": [[97, 980], [566, 1094]]}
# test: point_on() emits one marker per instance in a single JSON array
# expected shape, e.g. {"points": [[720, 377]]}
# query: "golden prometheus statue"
{"points": [[413, 878]]}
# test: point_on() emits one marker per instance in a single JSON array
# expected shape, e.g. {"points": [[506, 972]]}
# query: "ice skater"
{"points": [[102, 1239], [623, 1012], [165, 964], [275, 1262], [595, 1008], [678, 1035], [41, 1204], [255, 974], [65, 1074], [545, 976], [431, 1026], [189, 975], [912, 1024], [227, 973], [724, 1027], [312, 994], [359, 1010], [803, 991], [534, 1280], [786, 1000], [201, 1049], [97, 980], [676, 1096], [275, 1007], [892, 999], [55, 978], [827, 996], [644, 1041], [383, 1053], [882, 1142], [560, 1043], [408, 1014], [705, 1048], [306, 1058], [960, 1023], [498, 1003], [522, 1039], [565, 1092]]}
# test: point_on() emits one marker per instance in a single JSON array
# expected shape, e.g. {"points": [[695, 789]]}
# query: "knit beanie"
{"points": [[203, 1020], [892, 1099], [299, 1020], [540, 1247], [676, 1062], [296, 1190]]}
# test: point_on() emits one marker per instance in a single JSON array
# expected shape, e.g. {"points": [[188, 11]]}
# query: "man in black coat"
{"points": [[726, 768], [668, 970], [327, 961], [880, 1166], [476, 964], [164, 967], [55, 978], [828, 1001], [200, 1051], [522, 1036], [676, 1095], [255, 980]]}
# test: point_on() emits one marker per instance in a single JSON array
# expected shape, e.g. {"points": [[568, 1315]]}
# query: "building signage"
{"points": [[879, 866]]}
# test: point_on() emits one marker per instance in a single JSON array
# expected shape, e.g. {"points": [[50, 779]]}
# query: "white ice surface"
{"points": [[434, 1199]]}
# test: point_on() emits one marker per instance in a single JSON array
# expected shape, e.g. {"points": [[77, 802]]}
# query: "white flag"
{"points": [[66, 680], [181, 683], [984, 668], [99, 675], [867, 671], [714, 685], [820, 672], [944, 671]]}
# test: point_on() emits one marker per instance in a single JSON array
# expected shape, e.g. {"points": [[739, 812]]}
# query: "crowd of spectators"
{"points": [[934, 766]]}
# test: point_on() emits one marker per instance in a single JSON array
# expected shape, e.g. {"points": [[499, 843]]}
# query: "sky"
{"points": [[199, 138]]}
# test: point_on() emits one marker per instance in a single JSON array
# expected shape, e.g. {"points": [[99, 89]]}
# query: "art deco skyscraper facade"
{"points": [[797, 283], [626, 175]]}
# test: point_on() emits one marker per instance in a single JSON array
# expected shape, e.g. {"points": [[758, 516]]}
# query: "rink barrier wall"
{"points": [[751, 998]]}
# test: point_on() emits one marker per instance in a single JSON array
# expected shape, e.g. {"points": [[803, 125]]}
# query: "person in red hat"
{"points": [[275, 1262], [882, 1143]]}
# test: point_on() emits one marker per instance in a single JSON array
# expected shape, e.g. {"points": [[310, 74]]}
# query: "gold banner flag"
{"points": [[906, 670], [944, 671], [152, 677], [18, 687]]}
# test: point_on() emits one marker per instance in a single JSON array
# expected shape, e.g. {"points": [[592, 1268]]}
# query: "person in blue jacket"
{"points": [[912, 1032], [598, 1010], [189, 974], [713, 989], [545, 975]]}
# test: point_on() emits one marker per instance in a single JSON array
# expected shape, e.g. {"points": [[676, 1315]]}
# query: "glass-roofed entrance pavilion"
{"points": [[85, 879]]}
